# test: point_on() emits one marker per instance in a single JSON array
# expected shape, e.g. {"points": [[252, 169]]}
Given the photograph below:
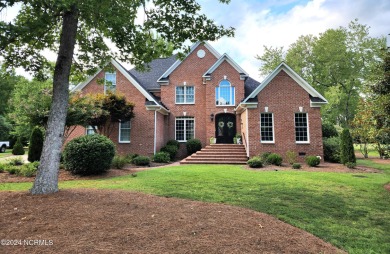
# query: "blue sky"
{"points": [[280, 23]]}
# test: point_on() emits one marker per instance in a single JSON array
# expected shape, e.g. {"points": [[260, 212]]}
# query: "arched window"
{"points": [[224, 93]]}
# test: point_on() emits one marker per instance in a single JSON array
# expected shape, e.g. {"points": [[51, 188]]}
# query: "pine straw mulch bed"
{"points": [[108, 221]]}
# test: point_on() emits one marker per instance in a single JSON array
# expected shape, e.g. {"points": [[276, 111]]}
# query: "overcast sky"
{"points": [[280, 23]]}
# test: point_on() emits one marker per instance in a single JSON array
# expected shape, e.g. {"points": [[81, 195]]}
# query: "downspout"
{"points": [[247, 133], [155, 132]]}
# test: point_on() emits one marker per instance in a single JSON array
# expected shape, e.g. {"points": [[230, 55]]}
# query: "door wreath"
{"points": [[221, 124], [230, 124]]}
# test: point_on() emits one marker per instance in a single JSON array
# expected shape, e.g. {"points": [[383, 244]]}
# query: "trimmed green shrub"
{"points": [[264, 157], [36, 145], [274, 159], [130, 157], [291, 157], [350, 165], [328, 130], [312, 161], [18, 148], [171, 150], [193, 145], [173, 142], [89, 155], [141, 161], [347, 152], [13, 170], [162, 157], [255, 162], [119, 162], [332, 149], [296, 166]]}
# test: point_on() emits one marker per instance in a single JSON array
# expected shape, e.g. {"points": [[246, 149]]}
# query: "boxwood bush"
{"points": [[119, 161], [173, 142], [193, 145], [274, 159], [171, 150], [255, 162], [89, 155], [296, 166], [312, 161], [141, 161], [162, 157], [332, 149]]}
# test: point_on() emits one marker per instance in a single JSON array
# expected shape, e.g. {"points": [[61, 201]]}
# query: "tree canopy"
{"points": [[338, 63], [86, 34]]}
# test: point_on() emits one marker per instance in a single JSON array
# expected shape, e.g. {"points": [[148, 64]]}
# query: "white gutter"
{"points": [[247, 133], [155, 132]]}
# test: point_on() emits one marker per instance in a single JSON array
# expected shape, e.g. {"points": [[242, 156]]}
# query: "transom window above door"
{"points": [[185, 95], [224, 94]]}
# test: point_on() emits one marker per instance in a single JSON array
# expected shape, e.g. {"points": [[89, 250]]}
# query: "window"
{"points": [[185, 128], [224, 94], [89, 130], [110, 81], [266, 128], [124, 132], [301, 128], [185, 94]]}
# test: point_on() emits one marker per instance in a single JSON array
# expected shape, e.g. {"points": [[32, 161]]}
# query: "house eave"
{"points": [[158, 108], [243, 106]]}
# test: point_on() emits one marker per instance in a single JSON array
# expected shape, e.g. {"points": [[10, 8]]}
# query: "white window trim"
{"points": [[185, 127], [185, 93], [273, 129], [219, 95], [105, 85], [308, 129], [120, 131]]}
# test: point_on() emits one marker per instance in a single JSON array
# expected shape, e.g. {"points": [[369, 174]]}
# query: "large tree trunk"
{"points": [[46, 180]]}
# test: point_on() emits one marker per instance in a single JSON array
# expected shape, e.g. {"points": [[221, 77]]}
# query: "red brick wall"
{"points": [[191, 71], [142, 125], [283, 97]]}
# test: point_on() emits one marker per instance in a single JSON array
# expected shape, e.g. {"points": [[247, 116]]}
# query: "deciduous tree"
{"points": [[87, 26]]}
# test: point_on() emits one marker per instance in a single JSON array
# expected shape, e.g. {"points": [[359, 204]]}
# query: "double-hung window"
{"points": [[266, 128], [185, 95], [110, 81], [185, 128], [301, 128], [124, 131], [224, 94]]}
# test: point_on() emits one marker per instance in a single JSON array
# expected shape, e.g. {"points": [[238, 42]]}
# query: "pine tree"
{"points": [[36, 145], [347, 150], [18, 148]]}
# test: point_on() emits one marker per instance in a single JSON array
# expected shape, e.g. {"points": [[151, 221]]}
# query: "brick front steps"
{"points": [[218, 154]]}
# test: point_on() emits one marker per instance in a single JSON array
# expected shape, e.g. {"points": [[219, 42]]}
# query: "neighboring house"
{"points": [[209, 95]]}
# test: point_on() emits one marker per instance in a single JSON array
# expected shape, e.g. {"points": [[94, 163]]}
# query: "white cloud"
{"points": [[261, 25]]}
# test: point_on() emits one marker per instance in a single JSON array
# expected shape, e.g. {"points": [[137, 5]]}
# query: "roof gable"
{"points": [[227, 58], [300, 81], [164, 76], [129, 77]]}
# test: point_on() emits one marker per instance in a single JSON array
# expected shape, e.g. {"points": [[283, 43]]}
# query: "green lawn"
{"points": [[7, 153], [372, 152], [349, 210]]}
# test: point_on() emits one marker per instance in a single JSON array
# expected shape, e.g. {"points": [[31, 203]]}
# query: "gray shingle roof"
{"points": [[316, 99], [250, 85], [157, 67]]}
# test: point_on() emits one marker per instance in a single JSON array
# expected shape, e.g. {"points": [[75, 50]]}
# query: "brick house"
{"points": [[209, 95]]}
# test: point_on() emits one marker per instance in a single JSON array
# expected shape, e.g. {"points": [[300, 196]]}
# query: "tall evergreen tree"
{"points": [[347, 150], [36, 145], [63, 25]]}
